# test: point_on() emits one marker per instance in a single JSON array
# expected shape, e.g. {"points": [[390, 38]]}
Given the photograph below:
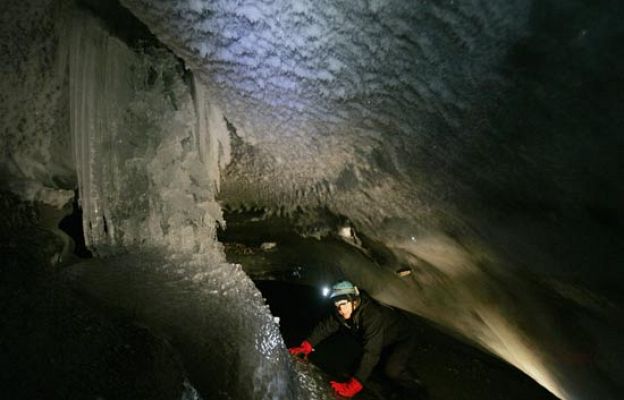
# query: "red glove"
{"points": [[304, 348], [347, 389]]}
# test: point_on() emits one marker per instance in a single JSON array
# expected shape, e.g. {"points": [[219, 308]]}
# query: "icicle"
{"points": [[213, 139], [99, 91], [148, 154]]}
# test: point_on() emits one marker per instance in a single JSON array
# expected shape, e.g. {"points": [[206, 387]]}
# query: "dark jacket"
{"points": [[376, 325]]}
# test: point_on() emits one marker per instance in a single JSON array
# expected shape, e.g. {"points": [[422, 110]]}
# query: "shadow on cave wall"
{"points": [[540, 151], [554, 132], [534, 176], [541, 155]]}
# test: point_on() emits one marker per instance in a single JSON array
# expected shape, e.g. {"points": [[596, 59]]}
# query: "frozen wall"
{"points": [[147, 149], [36, 158]]}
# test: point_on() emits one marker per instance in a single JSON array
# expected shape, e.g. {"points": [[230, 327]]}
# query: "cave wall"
{"points": [[36, 147], [478, 143]]}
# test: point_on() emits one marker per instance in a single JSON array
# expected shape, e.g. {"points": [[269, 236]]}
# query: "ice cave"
{"points": [[181, 178]]}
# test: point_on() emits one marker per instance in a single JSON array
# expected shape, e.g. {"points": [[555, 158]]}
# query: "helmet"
{"points": [[343, 289]]}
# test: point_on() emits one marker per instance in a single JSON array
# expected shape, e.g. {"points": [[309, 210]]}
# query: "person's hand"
{"points": [[347, 389], [304, 348]]}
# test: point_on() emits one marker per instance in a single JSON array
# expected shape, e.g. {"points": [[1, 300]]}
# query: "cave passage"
{"points": [[290, 265]]}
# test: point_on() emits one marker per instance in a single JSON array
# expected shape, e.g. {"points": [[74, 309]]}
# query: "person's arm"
{"points": [[373, 344], [323, 330]]}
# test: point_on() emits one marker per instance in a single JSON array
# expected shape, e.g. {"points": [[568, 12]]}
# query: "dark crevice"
{"points": [[72, 226], [121, 23]]}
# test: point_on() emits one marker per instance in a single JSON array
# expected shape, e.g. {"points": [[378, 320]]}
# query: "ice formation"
{"points": [[148, 150], [471, 139]]}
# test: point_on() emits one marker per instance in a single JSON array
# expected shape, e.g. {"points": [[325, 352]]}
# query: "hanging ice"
{"points": [[148, 168]]}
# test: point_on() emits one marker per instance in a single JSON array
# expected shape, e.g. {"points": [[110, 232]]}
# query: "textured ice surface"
{"points": [[211, 313], [345, 85], [148, 148]]}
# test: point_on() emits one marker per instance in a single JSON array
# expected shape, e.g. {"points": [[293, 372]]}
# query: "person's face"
{"points": [[345, 308]]}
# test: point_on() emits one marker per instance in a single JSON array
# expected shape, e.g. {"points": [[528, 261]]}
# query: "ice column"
{"points": [[212, 135], [148, 150], [99, 90]]}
